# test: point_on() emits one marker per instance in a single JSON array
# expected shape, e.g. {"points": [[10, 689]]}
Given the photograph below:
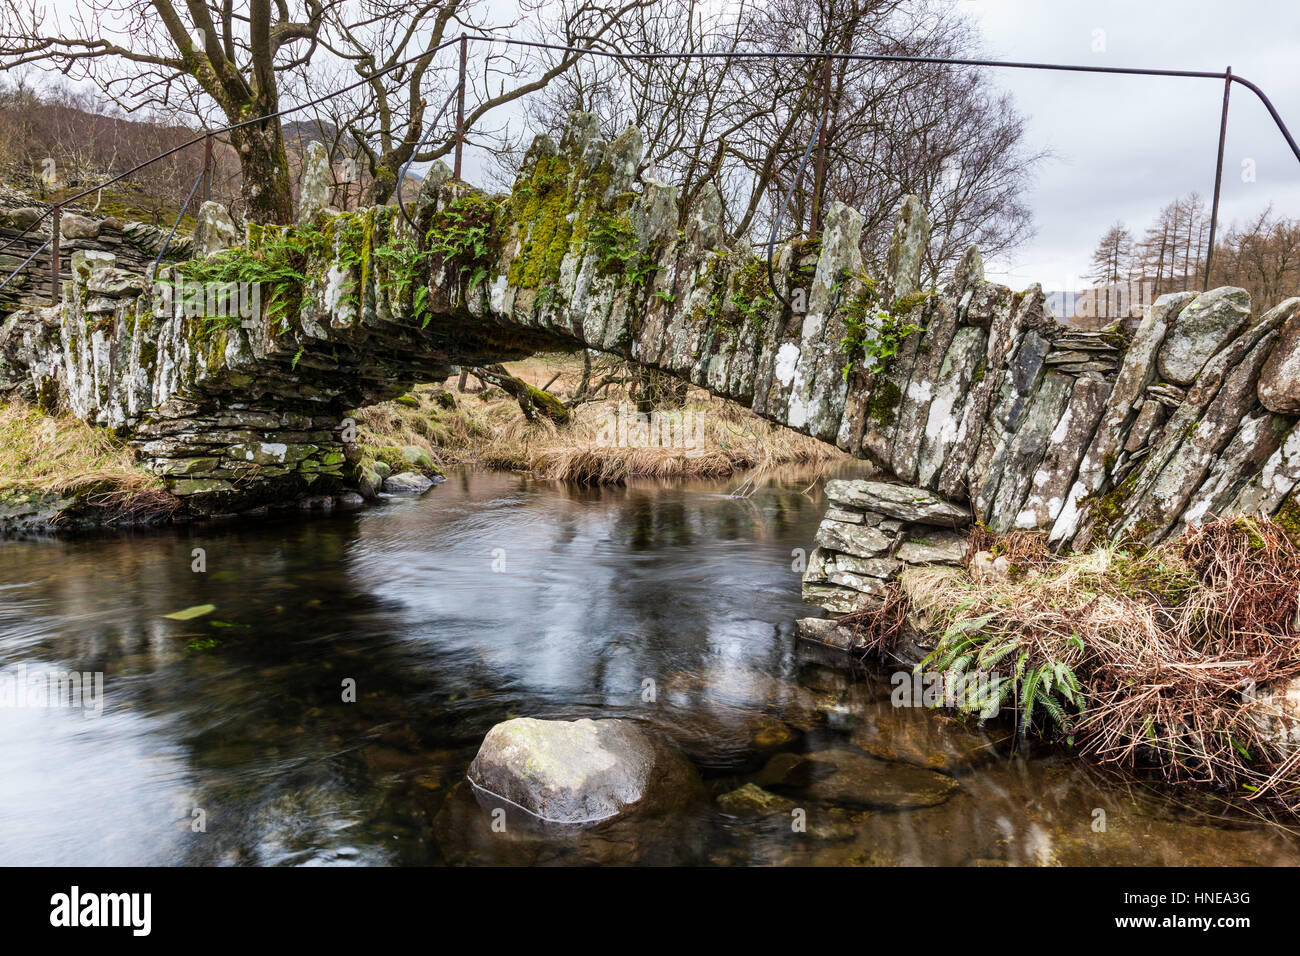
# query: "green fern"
{"points": [[969, 650]]}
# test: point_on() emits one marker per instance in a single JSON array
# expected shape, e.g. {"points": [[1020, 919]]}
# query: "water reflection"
{"points": [[491, 597]]}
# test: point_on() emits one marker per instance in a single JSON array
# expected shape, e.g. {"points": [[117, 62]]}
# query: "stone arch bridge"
{"points": [[989, 408]]}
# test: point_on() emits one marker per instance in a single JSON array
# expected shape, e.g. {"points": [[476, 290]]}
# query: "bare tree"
{"points": [[391, 117], [1113, 259], [1172, 250], [158, 54], [743, 124], [65, 140], [1262, 256]]}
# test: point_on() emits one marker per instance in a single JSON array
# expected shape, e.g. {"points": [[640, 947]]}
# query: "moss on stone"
{"points": [[1288, 517], [910, 302], [47, 396], [713, 278], [872, 334], [883, 403], [462, 240], [540, 210], [1107, 509], [751, 295], [611, 239]]}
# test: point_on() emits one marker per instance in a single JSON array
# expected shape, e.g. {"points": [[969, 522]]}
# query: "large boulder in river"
{"points": [[1206, 325], [578, 772]]}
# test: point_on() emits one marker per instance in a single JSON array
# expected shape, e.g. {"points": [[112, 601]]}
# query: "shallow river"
{"points": [[226, 738]]}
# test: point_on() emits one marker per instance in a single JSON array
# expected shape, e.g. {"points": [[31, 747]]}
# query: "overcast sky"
{"points": [[1125, 146]]}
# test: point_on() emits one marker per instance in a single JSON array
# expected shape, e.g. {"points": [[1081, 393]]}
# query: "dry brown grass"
{"points": [[1024, 550], [1167, 645], [1180, 685], [43, 452], [420, 419], [726, 440], [882, 626], [63, 455], [489, 428]]}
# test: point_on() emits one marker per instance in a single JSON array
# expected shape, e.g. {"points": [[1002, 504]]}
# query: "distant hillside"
{"points": [[53, 146]]}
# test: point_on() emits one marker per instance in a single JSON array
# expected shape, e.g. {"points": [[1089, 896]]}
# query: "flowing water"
{"points": [[228, 739]]}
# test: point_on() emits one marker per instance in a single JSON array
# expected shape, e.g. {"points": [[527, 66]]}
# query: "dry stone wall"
{"points": [[134, 244], [1087, 436]]}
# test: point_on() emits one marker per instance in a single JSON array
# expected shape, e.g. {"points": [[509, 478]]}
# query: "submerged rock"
{"points": [[818, 630], [754, 799], [841, 776], [465, 835], [720, 735], [578, 772], [924, 738], [26, 510]]}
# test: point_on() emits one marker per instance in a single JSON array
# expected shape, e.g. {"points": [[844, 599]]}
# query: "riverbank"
{"points": [[605, 441], [1183, 658], [58, 472]]}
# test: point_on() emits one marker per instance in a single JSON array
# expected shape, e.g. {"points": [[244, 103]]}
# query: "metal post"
{"points": [[1218, 178], [54, 255], [819, 181], [460, 104], [207, 167]]}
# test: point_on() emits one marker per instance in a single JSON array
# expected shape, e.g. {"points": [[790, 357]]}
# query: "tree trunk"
{"points": [[265, 167], [382, 186], [533, 401], [656, 390]]}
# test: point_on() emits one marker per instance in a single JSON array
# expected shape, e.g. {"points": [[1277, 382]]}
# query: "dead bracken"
{"points": [[1176, 657]]}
